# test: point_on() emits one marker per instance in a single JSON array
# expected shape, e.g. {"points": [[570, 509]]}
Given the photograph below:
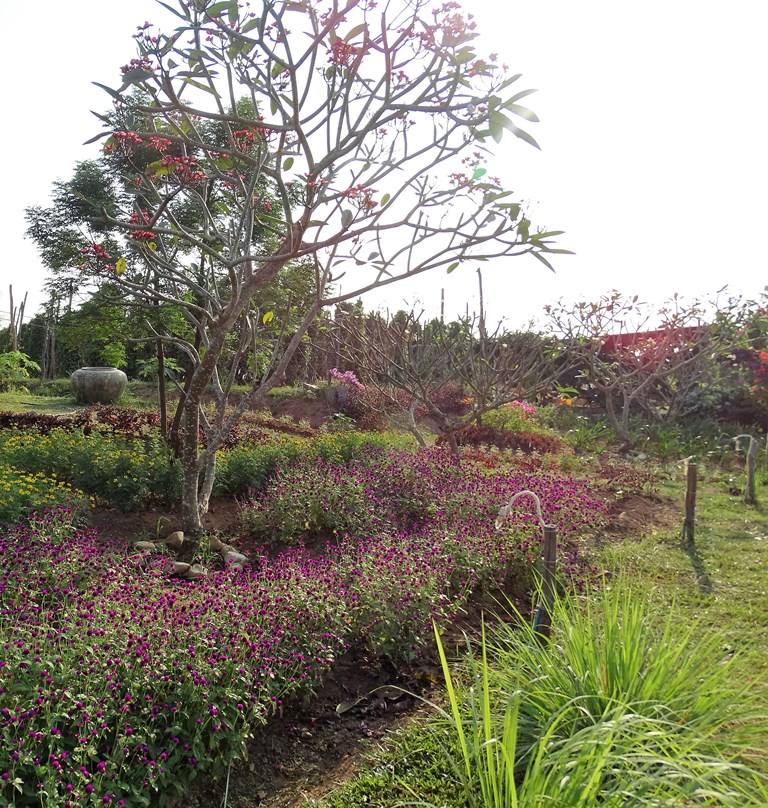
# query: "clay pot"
{"points": [[98, 385]]}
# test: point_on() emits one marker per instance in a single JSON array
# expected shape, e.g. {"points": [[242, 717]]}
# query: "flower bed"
{"points": [[119, 684]]}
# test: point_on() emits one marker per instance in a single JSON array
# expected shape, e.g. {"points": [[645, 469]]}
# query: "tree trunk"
{"points": [[209, 475], [161, 389], [453, 445], [191, 522], [413, 428], [619, 423]]}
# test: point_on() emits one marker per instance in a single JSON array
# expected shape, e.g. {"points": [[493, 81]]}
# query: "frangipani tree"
{"points": [[255, 136], [641, 357]]}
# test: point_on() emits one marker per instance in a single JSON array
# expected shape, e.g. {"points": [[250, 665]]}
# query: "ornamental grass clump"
{"points": [[619, 709]]}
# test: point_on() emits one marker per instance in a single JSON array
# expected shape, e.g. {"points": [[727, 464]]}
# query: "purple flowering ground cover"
{"points": [[119, 685]]}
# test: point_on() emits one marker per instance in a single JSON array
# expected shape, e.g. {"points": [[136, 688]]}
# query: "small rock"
{"points": [[180, 568], [196, 572], [149, 546], [216, 544], [233, 557], [174, 540]]}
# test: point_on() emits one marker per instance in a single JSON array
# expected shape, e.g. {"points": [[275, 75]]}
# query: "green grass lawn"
{"points": [[28, 402], [722, 579]]}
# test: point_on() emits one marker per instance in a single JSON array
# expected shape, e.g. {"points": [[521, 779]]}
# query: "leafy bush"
{"points": [[313, 497], [515, 416], [124, 422], [366, 406], [450, 398], [40, 422], [249, 466], [15, 368], [245, 467], [479, 435], [55, 388]]}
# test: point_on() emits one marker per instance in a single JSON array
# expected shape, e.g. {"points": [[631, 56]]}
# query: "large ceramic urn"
{"points": [[98, 385]]}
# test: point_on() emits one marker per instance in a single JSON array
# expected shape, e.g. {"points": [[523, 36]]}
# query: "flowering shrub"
{"points": [[515, 416], [120, 688], [124, 473], [23, 492], [348, 378], [417, 491]]}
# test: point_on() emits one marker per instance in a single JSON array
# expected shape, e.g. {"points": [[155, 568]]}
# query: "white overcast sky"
{"points": [[654, 135]]}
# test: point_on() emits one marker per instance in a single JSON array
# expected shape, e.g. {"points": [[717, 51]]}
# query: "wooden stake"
{"points": [[549, 568], [690, 504], [750, 497]]}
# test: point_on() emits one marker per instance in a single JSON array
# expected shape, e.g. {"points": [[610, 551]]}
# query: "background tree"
{"points": [[637, 358], [453, 372], [330, 133]]}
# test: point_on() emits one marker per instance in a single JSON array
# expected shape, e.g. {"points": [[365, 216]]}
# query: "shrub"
{"points": [[55, 388], [515, 416], [425, 492], [122, 688], [124, 422], [31, 420], [248, 466], [309, 498], [367, 406], [479, 435], [121, 422], [15, 370], [450, 398]]}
